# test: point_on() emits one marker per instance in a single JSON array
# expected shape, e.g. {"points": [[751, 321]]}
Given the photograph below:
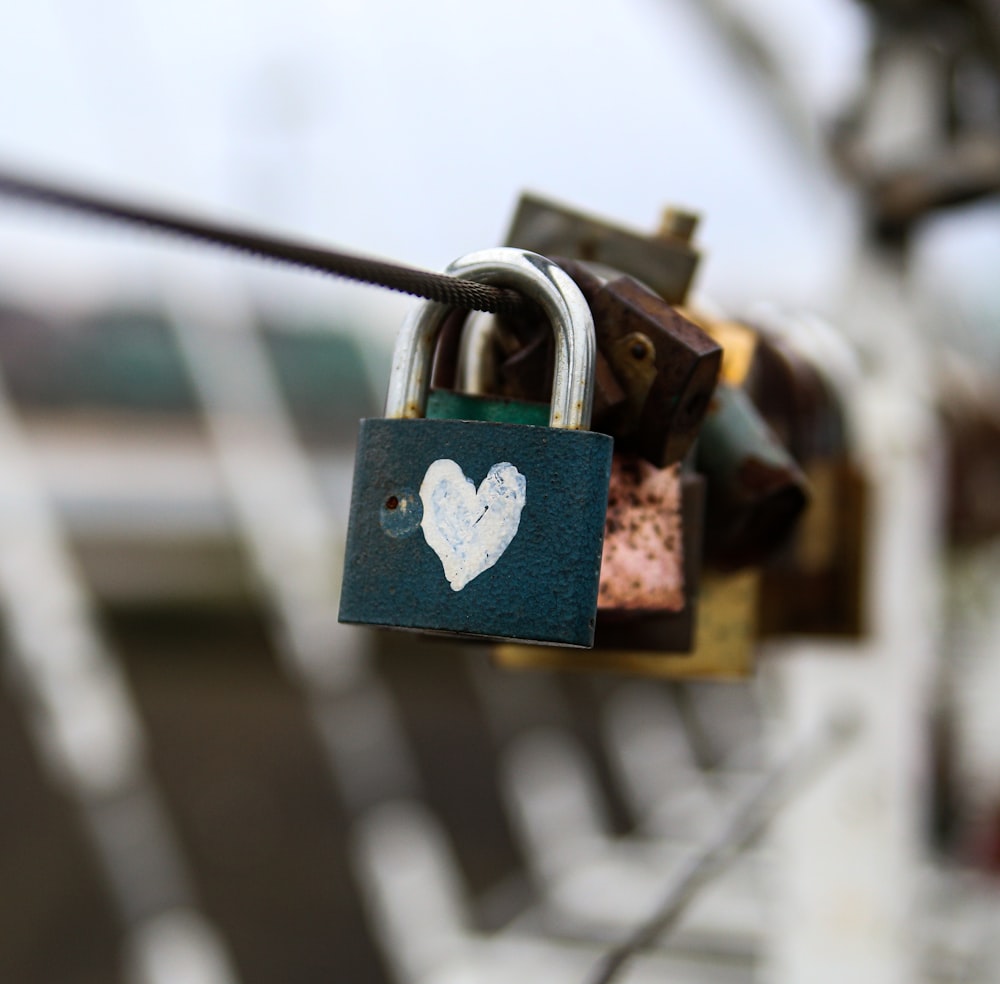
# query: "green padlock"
{"points": [[482, 528]]}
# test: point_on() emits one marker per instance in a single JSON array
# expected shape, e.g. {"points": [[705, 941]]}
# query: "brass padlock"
{"points": [[713, 637], [723, 648], [814, 584]]}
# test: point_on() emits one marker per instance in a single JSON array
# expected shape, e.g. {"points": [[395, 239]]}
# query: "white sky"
{"points": [[408, 129]]}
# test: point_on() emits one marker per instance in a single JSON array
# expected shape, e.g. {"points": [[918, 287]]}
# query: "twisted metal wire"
{"points": [[432, 286]]}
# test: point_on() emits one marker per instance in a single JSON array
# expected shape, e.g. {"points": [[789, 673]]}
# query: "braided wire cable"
{"points": [[439, 287]]}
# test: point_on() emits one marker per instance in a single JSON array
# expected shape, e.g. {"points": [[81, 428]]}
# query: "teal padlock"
{"points": [[477, 527]]}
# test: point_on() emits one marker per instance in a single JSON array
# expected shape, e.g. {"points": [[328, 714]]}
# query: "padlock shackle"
{"points": [[537, 278]]}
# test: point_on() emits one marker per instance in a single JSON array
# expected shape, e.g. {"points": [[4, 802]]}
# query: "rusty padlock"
{"points": [[665, 260], [646, 553], [815, 584], [756, 490], [656, 371], [968, 401], [713, 637]]}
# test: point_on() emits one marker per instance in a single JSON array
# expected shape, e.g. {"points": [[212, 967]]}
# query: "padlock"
{"points": [[649, 594], [815, 584], [642, 565], [756, 490], [652, 535], [516, 557], [665, 261], [723, 648], [969, 409], [714, 637], [656, 370], [667, 366]]}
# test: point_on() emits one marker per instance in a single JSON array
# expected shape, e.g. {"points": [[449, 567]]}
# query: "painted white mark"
{"points": [[468, 529]]}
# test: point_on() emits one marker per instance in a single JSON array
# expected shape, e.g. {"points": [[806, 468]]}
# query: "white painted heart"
{"points": [[468, 529]]}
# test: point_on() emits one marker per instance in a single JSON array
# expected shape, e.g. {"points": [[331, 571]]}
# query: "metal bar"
{"points": [[293, 544], [741, 829], [87, 730]]}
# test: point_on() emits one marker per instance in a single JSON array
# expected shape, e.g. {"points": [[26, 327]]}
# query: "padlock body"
{"points": [[541, 581]]}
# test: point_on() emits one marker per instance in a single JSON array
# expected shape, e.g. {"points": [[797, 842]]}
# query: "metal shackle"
{"points": [[539, 279]]}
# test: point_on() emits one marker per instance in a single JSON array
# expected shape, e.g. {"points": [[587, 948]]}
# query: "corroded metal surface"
{"points": [[816, 586], [656, 370], [666, 364], [642, 564], [664, 260], [724, 645], [756, 490]]}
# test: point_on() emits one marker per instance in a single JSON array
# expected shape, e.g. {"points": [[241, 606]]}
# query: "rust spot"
{"points": [[641, 570], [392, 502]]}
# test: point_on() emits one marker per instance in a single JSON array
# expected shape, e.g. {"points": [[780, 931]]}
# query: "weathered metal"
{"points": [[656, 370], [756, 490], [664, 260], [667, 366], [723, 648], [666, 630], [814, 584], [971, 422], [657, 644], [642, 564], [544, 585]]}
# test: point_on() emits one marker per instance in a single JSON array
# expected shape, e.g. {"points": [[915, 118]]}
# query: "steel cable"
{"points": [[432, 286]]}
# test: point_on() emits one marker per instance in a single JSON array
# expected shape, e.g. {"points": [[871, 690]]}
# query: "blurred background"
{"points": [[203, 777]]}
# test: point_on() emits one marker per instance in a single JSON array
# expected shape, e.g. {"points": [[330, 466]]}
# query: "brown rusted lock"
{"points": [[656, 371], [815, 584], [667, 366], [970, 413]]}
